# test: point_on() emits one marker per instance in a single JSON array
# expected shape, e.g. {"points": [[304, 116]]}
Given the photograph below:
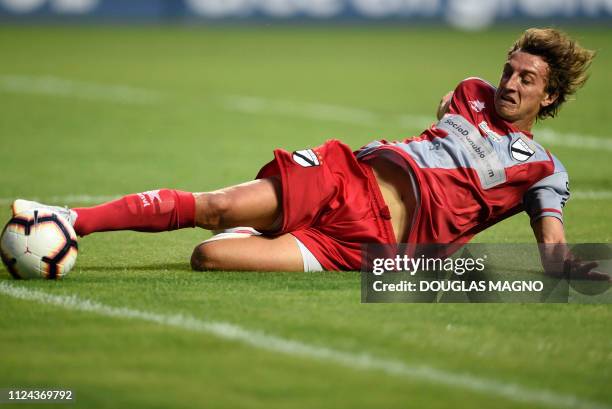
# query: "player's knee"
{"points": [[216, 206], [206, 257]]}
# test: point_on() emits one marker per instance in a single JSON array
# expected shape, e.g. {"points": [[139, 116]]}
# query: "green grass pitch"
{"points": [[104, 111]]}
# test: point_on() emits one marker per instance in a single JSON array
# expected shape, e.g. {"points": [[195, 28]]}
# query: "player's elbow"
{"points": [[443, 106], [205, 257]]}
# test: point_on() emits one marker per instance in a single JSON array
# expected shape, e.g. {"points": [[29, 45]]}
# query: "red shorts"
{"points": [[331, 203]]}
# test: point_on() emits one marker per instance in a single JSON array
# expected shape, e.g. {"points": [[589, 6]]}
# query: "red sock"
{"points": [[153, 211]]}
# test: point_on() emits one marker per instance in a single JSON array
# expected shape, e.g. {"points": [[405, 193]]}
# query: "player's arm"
{"points": [[555, 255], [557, 259], [550, 235], [444, 105], [544, 203], [549, 230]]}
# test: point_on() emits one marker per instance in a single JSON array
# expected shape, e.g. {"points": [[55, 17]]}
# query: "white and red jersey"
{"points": [[473, 169]]}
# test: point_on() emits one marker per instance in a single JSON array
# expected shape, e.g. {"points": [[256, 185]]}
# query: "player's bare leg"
{"points": [[256, 253], [255, 204]]}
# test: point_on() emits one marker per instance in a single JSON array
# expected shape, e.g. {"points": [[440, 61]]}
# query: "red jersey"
{"points": [[473, 169]]}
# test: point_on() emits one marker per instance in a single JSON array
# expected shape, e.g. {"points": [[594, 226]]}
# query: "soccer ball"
{"points": [[38, 244]]}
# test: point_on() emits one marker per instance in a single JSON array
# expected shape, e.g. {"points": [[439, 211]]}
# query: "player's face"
{"points": [[522, 89]]}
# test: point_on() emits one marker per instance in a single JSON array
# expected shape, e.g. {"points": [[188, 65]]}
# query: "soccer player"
{"points": [[315, 208]]}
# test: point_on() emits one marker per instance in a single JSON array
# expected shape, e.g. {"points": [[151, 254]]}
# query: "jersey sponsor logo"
{"points": [[306, 158], [482, 156], [477, 105], [520, 150], [476, 147], [454, 123], [484, 127]]}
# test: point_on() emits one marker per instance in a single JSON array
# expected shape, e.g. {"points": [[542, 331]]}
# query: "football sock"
{"points": [[152, 211]]}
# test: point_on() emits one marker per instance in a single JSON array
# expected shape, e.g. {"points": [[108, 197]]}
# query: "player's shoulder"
{"points": [[472, 96], [475, 85], [558, 165], [477, 82], [543, 154], [540, 152], [473, 89]]}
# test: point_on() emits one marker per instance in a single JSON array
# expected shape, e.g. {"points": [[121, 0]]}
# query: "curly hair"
{"points": [[567, 63]]}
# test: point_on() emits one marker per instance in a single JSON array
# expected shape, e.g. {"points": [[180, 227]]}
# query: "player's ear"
{"points": [[548, 99]]}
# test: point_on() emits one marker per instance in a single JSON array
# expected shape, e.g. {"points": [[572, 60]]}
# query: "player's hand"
{"points": [[575, 269], [444, 104]]}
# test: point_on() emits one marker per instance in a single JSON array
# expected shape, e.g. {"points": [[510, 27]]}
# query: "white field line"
{"points": [[256, 105], [572, 140], [49, 85], [591, 195], [355, 116], [275, 344], [318, 111]]}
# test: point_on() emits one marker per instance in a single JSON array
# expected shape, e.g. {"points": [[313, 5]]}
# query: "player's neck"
{"points": [[524, 124]]}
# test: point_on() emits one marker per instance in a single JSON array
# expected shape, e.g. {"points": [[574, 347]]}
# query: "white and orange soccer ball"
{"points": [[38, 244]]}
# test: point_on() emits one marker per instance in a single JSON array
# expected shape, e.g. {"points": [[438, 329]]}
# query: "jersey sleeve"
{"points": [[548, 196]]}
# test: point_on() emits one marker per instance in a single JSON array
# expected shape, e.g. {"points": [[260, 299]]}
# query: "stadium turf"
{"points": [[94, 112]]}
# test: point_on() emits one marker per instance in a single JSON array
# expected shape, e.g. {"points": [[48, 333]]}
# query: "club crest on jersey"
{"points": [[521, 150], [477, 105], [306, 158]]}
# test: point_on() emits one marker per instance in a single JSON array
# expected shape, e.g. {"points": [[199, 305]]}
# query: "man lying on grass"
{"points": [[316, 207]]}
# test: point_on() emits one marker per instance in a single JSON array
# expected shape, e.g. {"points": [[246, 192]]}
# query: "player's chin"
{"points": [[506, 110]]}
